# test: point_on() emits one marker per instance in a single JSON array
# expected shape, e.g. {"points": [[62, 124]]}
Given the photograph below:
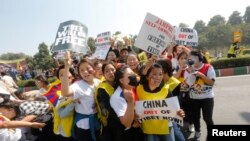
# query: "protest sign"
{"points": [[186, 36], [71, 35], [142, 57], [102, 44], [159, 109], [155, 35]]}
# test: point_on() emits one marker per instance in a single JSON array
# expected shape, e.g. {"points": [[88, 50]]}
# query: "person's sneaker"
{"points": [[191, 128], [197, 136]]}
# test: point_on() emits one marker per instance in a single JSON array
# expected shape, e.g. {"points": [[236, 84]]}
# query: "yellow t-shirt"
{"points": [[154, 126]]}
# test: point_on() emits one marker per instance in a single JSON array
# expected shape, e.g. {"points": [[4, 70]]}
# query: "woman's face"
{"points": [[132, 62], [40, 84], [125, 80], [109, 73], [111, 56], [196, 60], [155, 77], [183, 60], [61, 74], [86, 71], [98, 69]]}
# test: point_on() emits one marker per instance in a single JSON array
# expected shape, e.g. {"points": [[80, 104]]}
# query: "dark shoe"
{"points": [[197, 136]]}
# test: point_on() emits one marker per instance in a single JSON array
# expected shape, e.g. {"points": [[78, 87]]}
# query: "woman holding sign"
{"points": [[153, 87]]}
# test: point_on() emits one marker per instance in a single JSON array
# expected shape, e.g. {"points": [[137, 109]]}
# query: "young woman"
{"points": [[102, 97], [201, 81], [174, 87], [64, 110], [133, 62], [112, 56], [183, 63], [42, 83], [153, 87], [122, 102], [98, 70], [85, 125], [9, 130]]}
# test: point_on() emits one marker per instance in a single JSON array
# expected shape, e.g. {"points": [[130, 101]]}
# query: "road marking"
{"points": [[232, 76]]}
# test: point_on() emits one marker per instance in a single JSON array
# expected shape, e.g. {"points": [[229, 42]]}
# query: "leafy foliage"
{"points": [[235, 18], [43, 60], [91, 44], [246, 16], [231, 62]]}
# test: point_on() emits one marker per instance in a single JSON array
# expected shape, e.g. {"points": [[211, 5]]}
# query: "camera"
{"points": [[190, 62]]}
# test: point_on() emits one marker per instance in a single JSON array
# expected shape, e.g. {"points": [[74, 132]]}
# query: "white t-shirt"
{"points": [[206, 91], [10, 134], [9, 81], [7, 135], [174, 62], [118, 102], [85, 93]]}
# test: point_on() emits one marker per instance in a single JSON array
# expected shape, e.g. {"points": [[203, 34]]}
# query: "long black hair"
{"points": [[119, 74]]}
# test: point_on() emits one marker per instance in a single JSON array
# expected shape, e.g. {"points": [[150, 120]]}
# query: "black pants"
{"points": [[206, 105], [187, 108], [61, 138], [84, 134], [231, 55], [47, 132]]}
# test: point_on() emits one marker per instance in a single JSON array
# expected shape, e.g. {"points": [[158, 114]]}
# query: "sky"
{"points": [[24, 24]]}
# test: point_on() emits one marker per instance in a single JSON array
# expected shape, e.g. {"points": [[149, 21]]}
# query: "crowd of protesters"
{"points": [[95, 99]]}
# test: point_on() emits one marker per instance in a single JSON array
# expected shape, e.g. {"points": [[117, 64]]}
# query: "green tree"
{"points": [[218, 36], [117, 32], [245, 29], [200, 26], [246, 16], [91, 44], [217, 20], [13, 56], [183, 25], [235, 18], [42, 59]]}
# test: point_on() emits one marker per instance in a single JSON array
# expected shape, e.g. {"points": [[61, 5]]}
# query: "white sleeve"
{"points": [[211, 73], [73, 87], [119, 105], [6, 135]]}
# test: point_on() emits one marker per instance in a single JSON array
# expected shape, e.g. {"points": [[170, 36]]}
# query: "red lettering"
{"points": [[150, 23], [150, 112], [182, 36]]}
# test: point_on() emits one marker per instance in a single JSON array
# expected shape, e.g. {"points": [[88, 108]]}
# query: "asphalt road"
{"points": [[232, 102]]}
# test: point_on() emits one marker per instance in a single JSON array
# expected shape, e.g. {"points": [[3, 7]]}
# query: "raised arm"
{"points": [[66, 91]]}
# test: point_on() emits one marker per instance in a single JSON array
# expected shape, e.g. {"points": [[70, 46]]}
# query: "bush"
{"points": [[52, 79], [32, 83], [246, 52], [231, 62], [26, 83]]}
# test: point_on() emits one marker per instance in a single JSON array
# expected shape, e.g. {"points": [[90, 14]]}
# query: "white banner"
{"points": [[186, 36], [159, 109], [102, 44], [155, 35]]}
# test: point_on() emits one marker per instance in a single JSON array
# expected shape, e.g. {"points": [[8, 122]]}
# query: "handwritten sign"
{"points": [[155, 35]]}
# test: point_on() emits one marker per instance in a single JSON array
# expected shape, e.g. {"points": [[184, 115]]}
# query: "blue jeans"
{"points": [[179, 136], [167, 137]]}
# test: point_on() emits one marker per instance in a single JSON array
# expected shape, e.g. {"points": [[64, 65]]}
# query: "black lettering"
{"points": [[164, 103]]}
